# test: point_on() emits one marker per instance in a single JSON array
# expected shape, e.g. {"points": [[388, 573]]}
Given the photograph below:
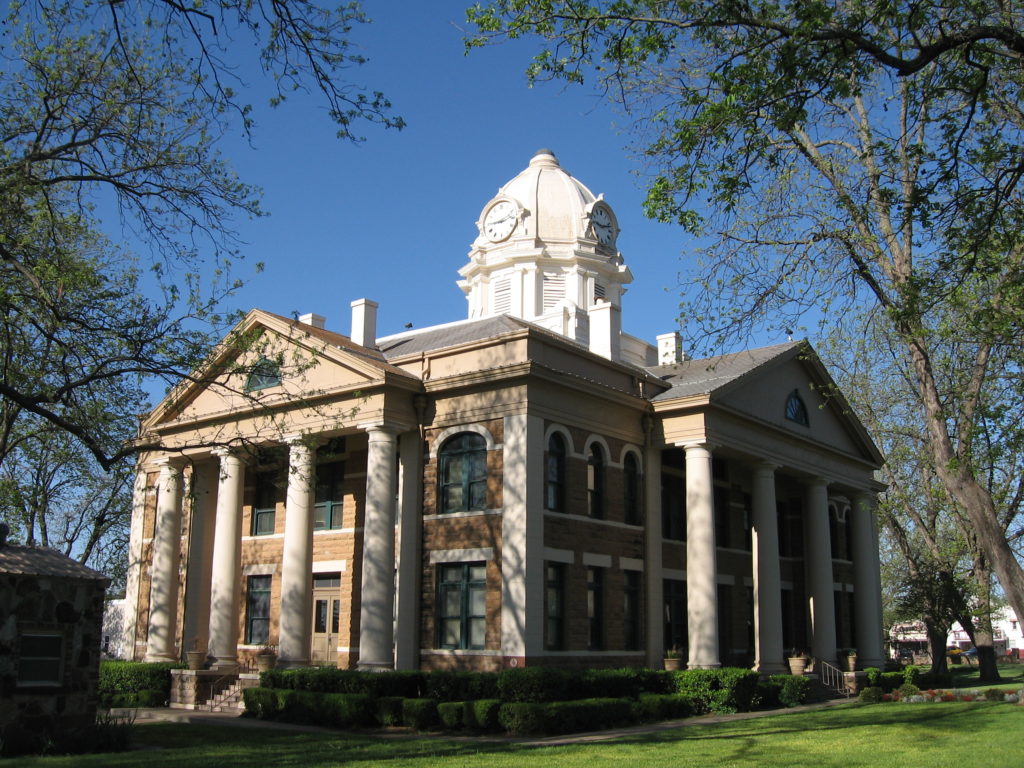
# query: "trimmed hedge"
{"points": [[724, 690], [543, 684], [338, 710], [459, 686], [524, 718], [389, 710], [482, 715], [420, 714], [134, 683], [452, 715], [407, 685], [652, 707]]}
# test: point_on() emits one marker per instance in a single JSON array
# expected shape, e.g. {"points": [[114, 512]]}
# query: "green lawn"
{"points": [[981, 735], [966, 676]]}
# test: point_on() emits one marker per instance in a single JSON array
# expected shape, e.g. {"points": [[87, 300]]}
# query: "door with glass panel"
{"points": [[326, 617]]}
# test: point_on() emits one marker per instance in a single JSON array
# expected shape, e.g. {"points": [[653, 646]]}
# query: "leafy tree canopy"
{"points": [[121, 104]]}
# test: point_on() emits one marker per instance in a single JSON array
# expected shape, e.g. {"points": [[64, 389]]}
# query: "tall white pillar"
{"points": [[199, 572], [227, 554], [163, 592], [818, 559], [867, 582], [297, 559], [377, 588], [768, 651], [410, 521], [701, 560], [522, 539], [652, 556]]}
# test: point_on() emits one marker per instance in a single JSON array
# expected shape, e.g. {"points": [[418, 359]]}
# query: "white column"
{"points": [[297, 559], [768, 649], [200, 556], [377, 587], [652, 557], [701, 560], [227, 554], [410, 521], [163, 591], [522, 532], [818, 559], [867, 582], [133, 577]]}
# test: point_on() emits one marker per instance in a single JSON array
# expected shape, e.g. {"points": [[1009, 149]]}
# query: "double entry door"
{"points": [[326, 618]]}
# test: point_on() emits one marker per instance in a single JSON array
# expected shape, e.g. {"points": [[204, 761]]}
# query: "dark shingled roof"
{"points": [[450, 335], [702, 377], [40, 561]]}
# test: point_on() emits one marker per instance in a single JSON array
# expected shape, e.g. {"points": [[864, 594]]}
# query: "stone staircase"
{"points": [[228, 699]]}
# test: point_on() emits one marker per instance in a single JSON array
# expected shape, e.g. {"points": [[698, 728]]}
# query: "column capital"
{"points": [[764, 466], [303, 439], [817, 481], [381, 428], [227, 452], [171, 463], [700, 448]]}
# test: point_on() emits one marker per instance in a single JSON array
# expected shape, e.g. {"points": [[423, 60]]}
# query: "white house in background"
{"points": [[1007, 636]]}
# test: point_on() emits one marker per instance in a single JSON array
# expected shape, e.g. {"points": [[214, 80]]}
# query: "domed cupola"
{"points": [[546, 253]]}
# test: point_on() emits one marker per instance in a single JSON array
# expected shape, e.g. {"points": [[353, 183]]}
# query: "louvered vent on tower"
{"points": [[554, 289], [501, 301]]}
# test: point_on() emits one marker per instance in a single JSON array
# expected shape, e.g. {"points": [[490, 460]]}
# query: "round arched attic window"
{"points": [[796, 410]]}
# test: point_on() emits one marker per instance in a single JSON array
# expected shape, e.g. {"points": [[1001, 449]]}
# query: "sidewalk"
{"points": [[161, 715]]}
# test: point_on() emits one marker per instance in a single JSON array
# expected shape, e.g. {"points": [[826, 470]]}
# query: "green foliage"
{"points": [[907, 690], [452, 715], [534, 684], [389, 710], [871, 695], [782, 691], [456, 685], [333, 680], [134, 683], [724, 690], [890, 681], [873, 675], [51, 736], [539, 684], [522, 718], [482, 715], [333, 710], [654, 707], [420, 714]]}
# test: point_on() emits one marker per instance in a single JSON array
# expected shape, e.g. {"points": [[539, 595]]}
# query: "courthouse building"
{"points": [[530, 485]]}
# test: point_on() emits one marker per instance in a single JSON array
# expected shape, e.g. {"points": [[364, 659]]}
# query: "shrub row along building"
{"points": [[527, 486]]}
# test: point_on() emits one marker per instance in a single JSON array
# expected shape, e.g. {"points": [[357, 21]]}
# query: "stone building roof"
{"points": [[709, 374], [41, 561]]}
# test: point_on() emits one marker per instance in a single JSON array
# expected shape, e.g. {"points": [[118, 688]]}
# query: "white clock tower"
{"points": [[546, 253]]}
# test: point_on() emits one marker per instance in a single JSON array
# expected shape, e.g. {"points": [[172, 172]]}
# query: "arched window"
{"points": [[554, 474], [796, 410], [595, 481], [631, 488], [463, 461], [264, 374]]}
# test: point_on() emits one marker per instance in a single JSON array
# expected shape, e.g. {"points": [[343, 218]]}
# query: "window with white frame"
{"points": [[40, 658]]}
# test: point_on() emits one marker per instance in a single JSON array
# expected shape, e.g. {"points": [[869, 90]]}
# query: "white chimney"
{"points": [[605, 328], [311, 318], [670, 348], [364, 322]]}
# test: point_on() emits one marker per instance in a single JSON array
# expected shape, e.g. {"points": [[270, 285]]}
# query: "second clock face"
{"points": [[604, 227], [500, 220]]}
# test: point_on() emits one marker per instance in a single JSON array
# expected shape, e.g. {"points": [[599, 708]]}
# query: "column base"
{"points": [[155, 658], [225, 665], [292, 663], [375, 666], [769, 668]]}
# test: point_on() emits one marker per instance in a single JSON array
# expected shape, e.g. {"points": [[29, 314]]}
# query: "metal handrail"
{"points": [[833, 677]]}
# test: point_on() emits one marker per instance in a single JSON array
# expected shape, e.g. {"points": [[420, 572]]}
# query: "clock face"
{"points": [[500, 220], [604, 227]]}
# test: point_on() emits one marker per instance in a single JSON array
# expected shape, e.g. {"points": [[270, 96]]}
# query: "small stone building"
{"points": [[51, 612]]}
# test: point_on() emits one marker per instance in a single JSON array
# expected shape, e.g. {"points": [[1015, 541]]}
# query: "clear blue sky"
{"points": [[392, 219]]}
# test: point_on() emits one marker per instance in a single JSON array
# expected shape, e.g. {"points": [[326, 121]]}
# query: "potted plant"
{"points": [[673, 660], [266, 658], [797, 662], [851, 658], [196, 658]]}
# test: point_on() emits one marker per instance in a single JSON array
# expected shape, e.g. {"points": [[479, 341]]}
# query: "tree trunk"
{"points": [[937, 645]]}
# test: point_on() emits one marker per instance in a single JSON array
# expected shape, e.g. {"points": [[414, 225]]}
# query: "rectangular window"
{"points": [[673, 507], [329, 500], [631, 623], [723, 516], [257, 610], [462, 603], [791, 528], [40, 659], [674, 596], [595, 609], [554, 607], [264, 509]]}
